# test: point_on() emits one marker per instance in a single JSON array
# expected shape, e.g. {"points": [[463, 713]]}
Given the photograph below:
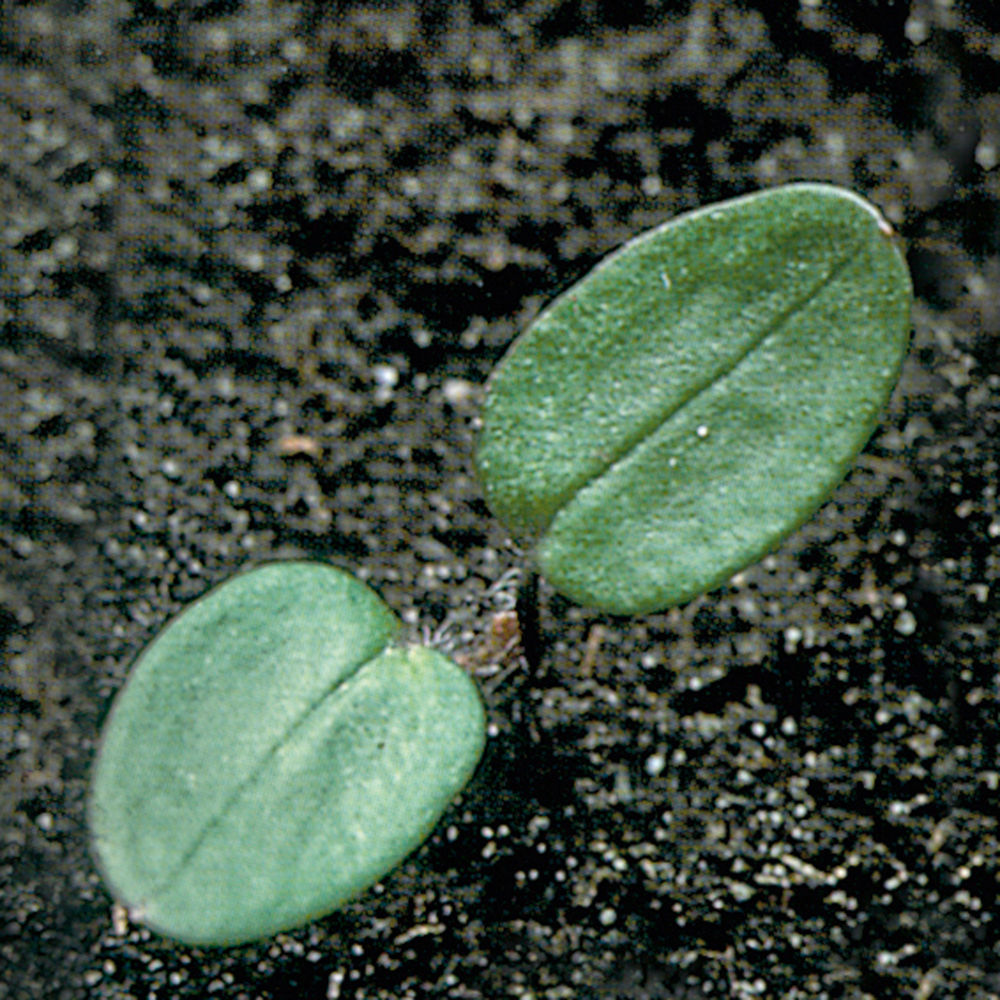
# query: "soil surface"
{"points": [[256, 262]]}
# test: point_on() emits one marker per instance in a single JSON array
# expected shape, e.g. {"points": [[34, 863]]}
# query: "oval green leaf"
{"points": [[272, 755], [685, 406]]}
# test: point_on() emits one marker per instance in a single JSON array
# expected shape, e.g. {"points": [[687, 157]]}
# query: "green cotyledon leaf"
{"points": [[671, 417], [273, 754]]}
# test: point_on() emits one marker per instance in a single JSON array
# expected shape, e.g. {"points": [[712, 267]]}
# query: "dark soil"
{"points": [[257, 261]]}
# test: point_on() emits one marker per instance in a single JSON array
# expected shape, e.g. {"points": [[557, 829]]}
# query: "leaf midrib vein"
{"points": [[327, 696], [631, 444]]}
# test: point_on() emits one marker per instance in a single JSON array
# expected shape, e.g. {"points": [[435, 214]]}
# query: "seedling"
{"points": [[661, 425]]}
